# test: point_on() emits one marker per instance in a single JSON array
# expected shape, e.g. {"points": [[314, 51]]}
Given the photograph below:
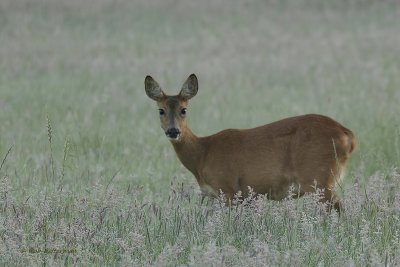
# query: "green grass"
{"points": [[104, 185]]}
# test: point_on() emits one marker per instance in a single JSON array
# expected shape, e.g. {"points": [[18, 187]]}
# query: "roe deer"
{"points": [[308, 151]]}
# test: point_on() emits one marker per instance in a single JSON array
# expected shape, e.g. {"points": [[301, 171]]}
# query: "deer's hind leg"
{"points": [[322, 178], [332, 199]]}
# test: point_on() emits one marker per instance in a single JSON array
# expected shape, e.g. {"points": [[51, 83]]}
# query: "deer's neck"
{"points": [[190, 151]]}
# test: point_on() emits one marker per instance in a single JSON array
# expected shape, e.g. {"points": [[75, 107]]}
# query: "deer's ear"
{"points": [[153, 90], [189, 88]]}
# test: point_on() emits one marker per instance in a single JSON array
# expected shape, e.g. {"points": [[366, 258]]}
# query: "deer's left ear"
{"points": [[189, 88], [153, 90]]}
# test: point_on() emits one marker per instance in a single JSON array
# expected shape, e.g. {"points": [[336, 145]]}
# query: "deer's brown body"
{"points": [[306, 151]]}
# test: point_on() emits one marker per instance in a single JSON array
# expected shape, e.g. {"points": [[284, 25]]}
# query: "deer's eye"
{"points": [[162, 112], [183, 111]]}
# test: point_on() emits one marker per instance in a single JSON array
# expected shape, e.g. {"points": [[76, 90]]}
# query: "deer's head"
{"points": [[172, 109]]}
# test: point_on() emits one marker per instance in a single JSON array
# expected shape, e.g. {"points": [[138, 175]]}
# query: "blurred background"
{"points": [[72, 100]]}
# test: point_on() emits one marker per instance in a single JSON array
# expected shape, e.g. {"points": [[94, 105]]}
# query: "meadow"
{"points": [[87, 176]]}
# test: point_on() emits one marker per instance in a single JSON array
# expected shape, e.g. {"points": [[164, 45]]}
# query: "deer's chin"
{"points": [[175, 139]]}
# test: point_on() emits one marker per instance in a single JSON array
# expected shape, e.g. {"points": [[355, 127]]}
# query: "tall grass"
{"points": [[107, 226], [88, 178]]}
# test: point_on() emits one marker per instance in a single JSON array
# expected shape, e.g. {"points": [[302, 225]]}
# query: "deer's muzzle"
{"points": [[173, 133]]}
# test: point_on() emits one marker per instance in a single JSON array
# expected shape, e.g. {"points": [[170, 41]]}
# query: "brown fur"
{"points": [[303, 151]]}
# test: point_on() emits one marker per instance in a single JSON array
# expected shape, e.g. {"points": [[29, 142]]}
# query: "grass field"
{"points": [[89, 178]]}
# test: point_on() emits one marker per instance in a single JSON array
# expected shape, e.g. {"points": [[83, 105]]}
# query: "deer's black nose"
{"points": [[173, 133]]}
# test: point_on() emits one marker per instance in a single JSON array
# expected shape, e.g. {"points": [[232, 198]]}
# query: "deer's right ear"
{"points": [[153, 90], [189, 88]]}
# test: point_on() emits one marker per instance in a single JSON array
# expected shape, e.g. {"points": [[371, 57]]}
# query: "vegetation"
{"points": [[87, 177]]}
